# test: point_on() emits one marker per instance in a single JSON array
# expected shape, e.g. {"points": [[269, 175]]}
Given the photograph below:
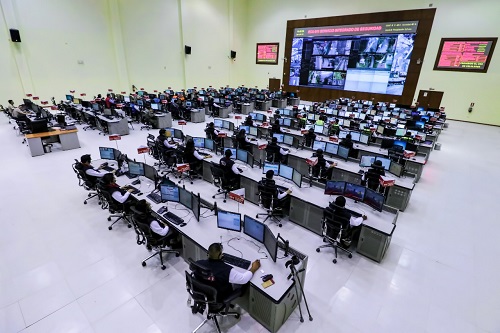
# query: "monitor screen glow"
{"points": [[169, 193], [355, 192], [254, 228], [107, 153], [229, 220], [285, 171]]}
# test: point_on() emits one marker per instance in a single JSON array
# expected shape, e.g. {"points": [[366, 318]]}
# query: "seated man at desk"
{"points": [[347, 142], [231, 171], [242, 140], [309, 137], [224, 274], [276, 128], [280, 195], [118, 194], [158, 228], [355, 221], [193, 157], [322, 169], [275, 153], [248, 121], [212, 133], [167, 142], [91, 173], [372, 176], [335, 128]]}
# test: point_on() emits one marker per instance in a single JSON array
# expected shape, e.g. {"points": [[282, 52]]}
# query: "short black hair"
{"points": [[214, 250], [228, 153], [108, 178], [274, 139], [162, 131], [269, 174], [340, 201], [378, 163], [348, 136], [142, 206], [85, 158], [319, 152]]}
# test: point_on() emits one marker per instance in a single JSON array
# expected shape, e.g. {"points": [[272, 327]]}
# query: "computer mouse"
{"points": [[139, 194], [183, 224]]}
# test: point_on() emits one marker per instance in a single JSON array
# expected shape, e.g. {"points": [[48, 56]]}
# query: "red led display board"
{"points": [[465, 54], [267, 53]]}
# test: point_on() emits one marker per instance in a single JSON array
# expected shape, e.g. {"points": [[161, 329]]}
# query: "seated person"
{"points": [[91, 173], [224, 275], [19, 114], [408, 137], [309, 137], [159, 229], [277, 114], [118, 194], [166, 142], [231, 171], [275, 153], [322, 168], [354, 222], [320, 121], [372, 176], [269, 182], [276, 128], [335, 128], [347, 142], [211, 132], [248, 121], [192, 157], [243, 142]]}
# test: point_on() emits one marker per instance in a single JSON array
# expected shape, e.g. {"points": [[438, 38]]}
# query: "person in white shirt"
{"points": [[160, 230], [91, 173], [354, 222], [162, 138], [269, 181], [118, 194]]}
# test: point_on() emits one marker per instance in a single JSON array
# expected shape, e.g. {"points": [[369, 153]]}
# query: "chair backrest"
{"points": [[334, 222], [111, 204], [83, 180], [272, 154], [372, 179], [199, 283], [267, 194]]}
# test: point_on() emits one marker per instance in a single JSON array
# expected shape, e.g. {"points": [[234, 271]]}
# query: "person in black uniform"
{"points": [[118, 194], [166, 142], [231, 171], [309, 137], [243, 142], [224, 274], [373, 174], [347, 142], [91, 173], [159, 229], [276, 153], [248, 121], [322, 168], [212, 133], [192, 157], [276, 128], [354, 222]]}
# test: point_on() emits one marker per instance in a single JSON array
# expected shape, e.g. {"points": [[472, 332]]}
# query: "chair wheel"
{"points": [[163, 267], [89, 195], [143, 264], [224, 200], [179, 182], [237, 316], [213, 196], [334, 261], [85, 202], [177, 254], [129, 225], [280, 225], [350, 255], [191, 182], [317, 250], [324, 239], [110, 228], [109, 218], [257, 216]]}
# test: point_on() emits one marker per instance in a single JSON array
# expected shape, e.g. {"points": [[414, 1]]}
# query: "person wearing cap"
{"points": [[275, 152], [309, 137], [91, 173], [323, 169], [347, 142], [248, 121], [276, 128], [354, 222], [165, 141], [231, 171], [243, 142], [269, 181]]}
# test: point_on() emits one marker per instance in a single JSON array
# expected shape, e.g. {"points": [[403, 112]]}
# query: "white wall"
{"points": [[454, 18]]}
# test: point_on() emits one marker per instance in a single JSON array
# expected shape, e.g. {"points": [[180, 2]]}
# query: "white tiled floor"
{"points": [[63, 271]]}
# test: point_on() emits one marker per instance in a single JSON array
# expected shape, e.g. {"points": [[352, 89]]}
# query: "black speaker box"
{"points": [[233, 54], [15, 36], [187, 49]]}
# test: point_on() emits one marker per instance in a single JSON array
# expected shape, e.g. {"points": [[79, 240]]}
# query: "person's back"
{"points": [[347, 142], [310, 136]]}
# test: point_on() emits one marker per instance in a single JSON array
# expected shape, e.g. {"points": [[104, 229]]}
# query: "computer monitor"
{"points": [[178, 134], [400, 143], [366, 161], [126, 99], [419, 124], [288, 140], [254, 228], [140, 102], [386, 163], [297, 178], [334, 187], [135, 168], [246, 128], [353, 191], [218, 123], [242, 155], [76, 100], [363, 138], [411, 146], [374, 199], [287, 122], [343, 134], [185, 198], [107, 153], [271, 166], [279, 137], [209, 144], [253, 131], [319, 145], [343, 152], [387, 143], [285, 171], [69, 97], [400, 132], [380, 129], [396, 169], [229, 220], [318, 129], [96, 107], [169, 193], [355, 136], [199, 142], [271, 243], [188, 104], [195, 199], [150, 172], [155, 106], [169, 132], [332, 148]]}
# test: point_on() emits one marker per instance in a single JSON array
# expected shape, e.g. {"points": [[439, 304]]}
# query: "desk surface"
{"points": [[50, 133]]}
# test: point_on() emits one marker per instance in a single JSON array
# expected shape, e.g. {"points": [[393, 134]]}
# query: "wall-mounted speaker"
{"points": [[187, 49], [15, 36], [233, 54]]}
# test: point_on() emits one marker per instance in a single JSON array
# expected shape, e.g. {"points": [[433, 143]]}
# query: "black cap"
{"points": [[319, 151], [228, 152]]}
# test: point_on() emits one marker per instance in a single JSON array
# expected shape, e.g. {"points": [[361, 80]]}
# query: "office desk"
{"points": [[67, 138], [225, 111], [115, 126], [263, 105], [246, 108], [293, 101], [162, 120], [279, 103], [271, 306], [197, 115]]}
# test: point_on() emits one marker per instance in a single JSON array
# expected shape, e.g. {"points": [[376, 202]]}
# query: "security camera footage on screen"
{"points": [[365, 57]]}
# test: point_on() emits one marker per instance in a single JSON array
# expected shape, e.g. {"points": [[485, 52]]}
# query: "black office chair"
{"points": [[372, 180], [116, 209], [90, 120], [85, 182], [195, 168], [147, 121], [268, 199], [223, 183], [145, 237], [200, 286], [103, 124], [334, 230]]}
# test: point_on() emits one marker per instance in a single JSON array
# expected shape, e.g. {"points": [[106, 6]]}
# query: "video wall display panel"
{"points": [[371, 58]]}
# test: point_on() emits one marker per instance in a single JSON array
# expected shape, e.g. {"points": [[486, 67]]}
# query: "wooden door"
{"points": [[274, 84], [430, 98]]}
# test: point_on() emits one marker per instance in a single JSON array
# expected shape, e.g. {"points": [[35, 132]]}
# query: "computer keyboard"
{"points": [[171, 217], [108, 168], [132, 188], [236, 261], [155, 197]]}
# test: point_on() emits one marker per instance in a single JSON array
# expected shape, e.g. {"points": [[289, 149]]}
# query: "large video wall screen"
{"points": [[465, 54], [371, 58]]}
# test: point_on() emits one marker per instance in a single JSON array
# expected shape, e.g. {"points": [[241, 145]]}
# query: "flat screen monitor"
{"points": [[363, 138], [150, 172], [353, 191], [77, 101], [332, 148], [253, 131], [107, 153], [271, 243], [411, 146], [279, 137], [288, 140], [271, 166], [400, 143], [209, 144], [229, 220], [419, 124], [366, 161], [334, 187], [169, 193], [319, 145], [297, 178], [195, 199], [343, 134], [254, 228], [396, 169], [386, 143], [285, 171], [318, 129], [155, 106], [386, 163], [218, 123], [69, 97], [126, 99], [185, 198], [199, 142], [374, 199], [242, 155], [355, 136], [347, 123], [400, 132], [188, 104], [343, 152], [246, 128], [380, 129], [96, 107], [140, 102], [135, 168], [169, 132], [178, 134]]}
